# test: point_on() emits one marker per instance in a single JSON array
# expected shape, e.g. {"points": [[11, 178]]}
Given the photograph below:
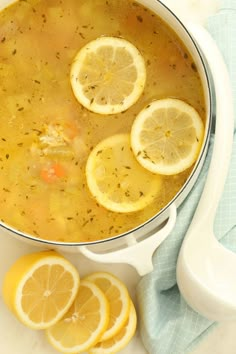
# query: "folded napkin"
{"points": [[167, 324]]}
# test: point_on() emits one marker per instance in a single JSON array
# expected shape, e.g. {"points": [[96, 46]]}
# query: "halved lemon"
{"points": [[40, 287], [84, 323], [118, 298], [166, 136], [116, 179], [108, 75], [121, 339]]}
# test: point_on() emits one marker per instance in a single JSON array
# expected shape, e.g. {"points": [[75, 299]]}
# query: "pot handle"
{"points": [[222, 150], [137, 254]]}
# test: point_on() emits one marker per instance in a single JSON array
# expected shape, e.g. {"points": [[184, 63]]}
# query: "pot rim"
{"points": [[206, 71]]}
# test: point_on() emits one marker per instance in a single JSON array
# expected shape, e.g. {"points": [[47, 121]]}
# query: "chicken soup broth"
{"points": [[46, 136]]}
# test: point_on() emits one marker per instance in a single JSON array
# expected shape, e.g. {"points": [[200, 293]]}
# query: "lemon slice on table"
{"points": [[166, 136], [40, 287], [108, 75], [84, 323], [116, 179], [121, 339], [118, 298]]}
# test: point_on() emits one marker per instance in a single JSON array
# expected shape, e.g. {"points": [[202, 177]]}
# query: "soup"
{"points": [[46, 136]]}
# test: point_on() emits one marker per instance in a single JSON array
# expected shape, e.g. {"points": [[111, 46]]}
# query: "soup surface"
{"points": [[44, 131]]}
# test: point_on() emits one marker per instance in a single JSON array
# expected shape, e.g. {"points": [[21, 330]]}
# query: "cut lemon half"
{"points": [[84, 323], [118, 298], [166, 136], [121, 339], [116, 179], [40, 287], [108, 75]]}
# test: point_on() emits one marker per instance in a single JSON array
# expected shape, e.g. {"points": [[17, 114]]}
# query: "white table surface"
{"points": [[16, 339]]}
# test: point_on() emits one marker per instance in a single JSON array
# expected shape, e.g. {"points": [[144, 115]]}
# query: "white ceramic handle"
{"points": [[205, 269], [137, 254], [222, 149]]}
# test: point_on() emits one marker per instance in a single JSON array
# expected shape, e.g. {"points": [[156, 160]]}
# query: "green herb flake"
{"points": [[44, 18], [193, 66], [127, 194], [139, 18], [85, 223], [81, 35], [39, 132]]}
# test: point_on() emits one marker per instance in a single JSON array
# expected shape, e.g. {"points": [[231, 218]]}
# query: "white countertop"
{"points": [[16, 339]]}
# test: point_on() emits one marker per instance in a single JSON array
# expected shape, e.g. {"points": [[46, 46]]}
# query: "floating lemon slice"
{"points": [[166, 136], [84, 323], [118, 298], [40, 287], [121, 339], [108, 75], [116, 179]]}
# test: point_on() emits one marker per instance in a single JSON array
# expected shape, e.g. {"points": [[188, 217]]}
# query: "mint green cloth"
{"points": [[167, 324]]}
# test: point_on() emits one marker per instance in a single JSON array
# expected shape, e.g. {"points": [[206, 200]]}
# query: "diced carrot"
{"points": [[51, 173], [59, 170]]}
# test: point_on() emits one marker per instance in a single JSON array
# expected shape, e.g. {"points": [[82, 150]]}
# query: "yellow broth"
{"points": [[38, 41]]}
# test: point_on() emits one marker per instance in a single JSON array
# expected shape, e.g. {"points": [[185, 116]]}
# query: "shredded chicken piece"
{"points": [[54, 136]]}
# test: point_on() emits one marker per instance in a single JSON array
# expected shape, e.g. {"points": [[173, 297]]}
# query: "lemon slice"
{"points": [[116, 179], [40, 287], [108, 75], [84, 323], [121, 339], [118, 298], [166, 136]]}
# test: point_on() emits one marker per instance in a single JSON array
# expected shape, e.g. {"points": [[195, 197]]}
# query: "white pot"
{"points": [[137, 246]]}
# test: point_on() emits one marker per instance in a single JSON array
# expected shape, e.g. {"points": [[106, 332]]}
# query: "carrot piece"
{"points": [[51, 173], [59, 170]]}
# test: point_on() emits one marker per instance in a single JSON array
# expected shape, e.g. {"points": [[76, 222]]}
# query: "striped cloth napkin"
{"points": [[167, 324]]}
